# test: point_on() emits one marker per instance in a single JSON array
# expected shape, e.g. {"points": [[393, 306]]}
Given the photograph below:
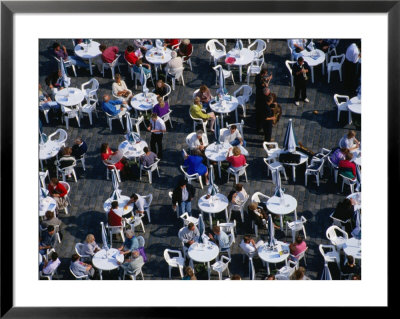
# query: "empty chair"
{"points": [[134, 221], [335, 64], [70, 113], [78, 250], [216, 49], [139, 77], [176, 75], [220, 266], [150, 169], [332, 235], [239, 208], [62, 137], [67, 64], [258, 47], [272, 149], [89, 108], [228, 228], [192, 177], [42, 178], [315, 168], [111, 66], [348, 181], [246, 92], [237, 172], [147, 202], [174, 262], [189, 219], [86, 277], [254, 68], [289, 65], [340, 223], [342, 106], [226, 74], [330, 254], [288, 269], [136, 123], [68, 188], [296, 226], [199, 121], [90, 89], [275, 166]]}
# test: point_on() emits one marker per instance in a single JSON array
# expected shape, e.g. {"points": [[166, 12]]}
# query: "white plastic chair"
{"points": [[42, 178], [90, 89], [189, 219], [68, 188], [288, 269], [174, 262], [70, 113], [45, 111], [221, 265], [78, 250], [239, 208], [113, 168], [275, 166], [335, 66], [221, 135], [192, 177], [254, 68], [62, 137], [178, 74], [135, 221], [228, 227], [260, 47], [337, 241], [238, 172], [289, 65], [330, 254], [86, 277], [89, 108], [315, 168], [300, 256], [67, 64], [228, 249], [111, 66], [342, 106], [340, 223], [226, 73], [150, 169], [110, 118], [136, 123], [239, 126], [148, 199], [216, 49], [244, 98], [66, 170], [138, 77], [296, 226], [176, 209], [184, 248], [348, 181], [199, 121], [116, 230], [167, 117], [273, 153], [334, 167]]}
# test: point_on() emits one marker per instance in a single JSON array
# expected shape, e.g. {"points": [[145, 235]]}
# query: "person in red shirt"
{"points": [[169, 43], [237, 159], [113, 218], [106, 152], [348, 168], [108, 54], [185, 49], [130, 55], [58, 192]]}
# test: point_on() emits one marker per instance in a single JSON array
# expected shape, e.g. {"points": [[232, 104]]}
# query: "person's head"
{"points": [[75, 257], [67, 151], [49, 215], [300, 60], [253, 206], [78, 141], [117, 77], [269, 99], [102, 47], [54, 256], [199, 134], [233, 128], [264, 71], [356, 277], [197, 152], [134, 197], [54, 181], [130, 49], [347, 203], [203, 88], [299, 273], [185, 41], [351, 134], [139, 62], [189, 271], [236, 151], [350, 260], [160, 101], [344, 150], [56, 46], [266, 91], [238, 187], [348, 156], [50, 229], [274, 97], [114, 204], [270, 277], [154, 116], [90, 238], [191, 226], [129, 233], [135, 254], [246, 239], [196, 100], [160, 83], [174, 54], [106, 98], [145, 149], [104, 147], [236, 277], [299, 240], [216, 229], [182, 183]]}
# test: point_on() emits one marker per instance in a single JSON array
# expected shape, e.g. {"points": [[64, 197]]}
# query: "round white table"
{"points": [[48, 150], [303, 159], [217, 153], [122, 201], [227, 104], [282, 206], [45, 204], [271, 256], [143, 103], [157, 57], [88, 51], [103, 260], [213, 205], [70, 97], [352, 247], [203, 253], [354, 105], [243, 57], [132, 151], [314, 58]]}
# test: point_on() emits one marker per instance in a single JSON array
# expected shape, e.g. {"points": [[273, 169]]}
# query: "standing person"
{"points": [[157, 129], [79, 148], [183, 195], [261, 81], [353, 56], [300, 71], [268, 119]]}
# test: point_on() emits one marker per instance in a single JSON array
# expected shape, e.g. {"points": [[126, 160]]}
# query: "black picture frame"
{"points": [[9, 8]]}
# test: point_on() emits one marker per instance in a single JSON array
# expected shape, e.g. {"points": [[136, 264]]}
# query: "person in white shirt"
{"points": [[249, 246], [240, 195], [139, 203], [349, 141], [297, 46], [50, 266], [353, 56], [120, 90], [174, 64], [157, 129], [233, 136], [199, 141]]}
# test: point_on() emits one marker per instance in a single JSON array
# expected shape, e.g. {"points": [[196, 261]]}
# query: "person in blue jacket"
{"points": [[194, 165], [109, 106]]}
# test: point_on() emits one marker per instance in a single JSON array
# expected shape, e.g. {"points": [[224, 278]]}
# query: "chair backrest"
{"points": [[141, 241], [222, 132], [189, 138], [340, 58], [336, 98], [281, 277], [218, 68], [211, 46], [225, 260], [247, 91], [261, 45], [238, 125], [332, 164], [195, 93], [180, 233], [331, 233], [76, 277], [66, 185], [257, 62], [114, 63], [316, 164], [259, 197], [62, 137], [186, 174], [289, 65], [78, 249], [148, 199], [253, 270], [227, 227], [268, 164], [231, 239], [184, 216], [333, 253]]}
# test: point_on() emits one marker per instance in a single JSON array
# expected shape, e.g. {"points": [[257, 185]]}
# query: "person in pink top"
{"points": [[297, 247], [108, 54], [237, 159]]}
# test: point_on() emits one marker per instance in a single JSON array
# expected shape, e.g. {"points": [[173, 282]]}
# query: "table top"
{"points": [[69, 96], [45, 204], [311, 59], [224, 106], [132, 150], [214, 204], [217, 153], [107, 260], [246, 56], [275, 207], [49, 149], [85, 51], [356, 157], [303, 158], [271, 256], [354, 105], [142, 103], [352, 247], [153, 57], [203, 252], [121, 203], [357, 197]]}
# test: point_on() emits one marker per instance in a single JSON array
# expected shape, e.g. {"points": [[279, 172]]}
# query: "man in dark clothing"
{"points": [[55, 80], [350, 267], [183, 194], [79, 148], [261, 81], [268, 118], [300, 71]]}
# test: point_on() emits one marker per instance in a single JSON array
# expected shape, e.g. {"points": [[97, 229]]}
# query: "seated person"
{"points": [[47, 239], [182, 196], [174, 64], [140, 44], [130, 55], [189, 235], [148, 158], [297, 46], [239, 196], [120, 89], [138, 203], [270, 277], [45, 102], [297, 247], [108, 54], [55, 82], [161, 89], [233, 136], [220, 237], [338, 155], [131, 265], [257, 214], [80, 268], [106, 153], [61, 53], [326, 44], [113, 107], [50, 267], [349, 141], [248, 244], [170, 43], [79, 148], [348, 168], [185, 49], [66, 160], [58, 192], [189, 274], [205, 95], [130, 244], [299, 274], [350, 267], [161, 108], [237, 160], [194, 164], [345, 211], [90, 246], [113, 218], [236, 277], [50, 219], [140, 65], [199, 141], [197, 112]]}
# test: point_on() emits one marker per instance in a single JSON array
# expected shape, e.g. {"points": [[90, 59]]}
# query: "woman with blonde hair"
{"points": [[349, 141], [189, 274], [197, 112], [205, 95], [236, 160], [161, 108], [90, 247], [120, 90]]}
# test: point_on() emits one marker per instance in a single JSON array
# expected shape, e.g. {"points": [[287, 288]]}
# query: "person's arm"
{"points": [[63, 190]]}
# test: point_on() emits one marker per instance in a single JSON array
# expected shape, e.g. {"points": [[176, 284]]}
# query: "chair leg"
{"points": [[73, 173], [83, 163], [342, 185], [73, 69], [305, 179], [201, 182], [90, 118], [66, 119], [150, 176], [122, 123], [317, 176], [109, 124]]}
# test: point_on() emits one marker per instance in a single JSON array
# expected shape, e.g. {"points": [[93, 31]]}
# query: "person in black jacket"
{"points": [[183, 195], [301, 72], [55, 81], [268, 118], [261, 81], [79, 148]]}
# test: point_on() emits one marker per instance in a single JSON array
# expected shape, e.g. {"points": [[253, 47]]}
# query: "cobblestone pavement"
{"points": [[92, 189]]}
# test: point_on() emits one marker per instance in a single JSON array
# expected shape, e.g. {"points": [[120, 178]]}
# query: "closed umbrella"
{"points": [[217, 131], [222, 88], [357, 230], [239, 44], [358, 173], [326, 274], [143, 81], [114, 180], [290, 141], [252, 274], [213, 188], [66, 79], [201, 228], [131, 136], [271, 231], [104, 236], [159, 44]]}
